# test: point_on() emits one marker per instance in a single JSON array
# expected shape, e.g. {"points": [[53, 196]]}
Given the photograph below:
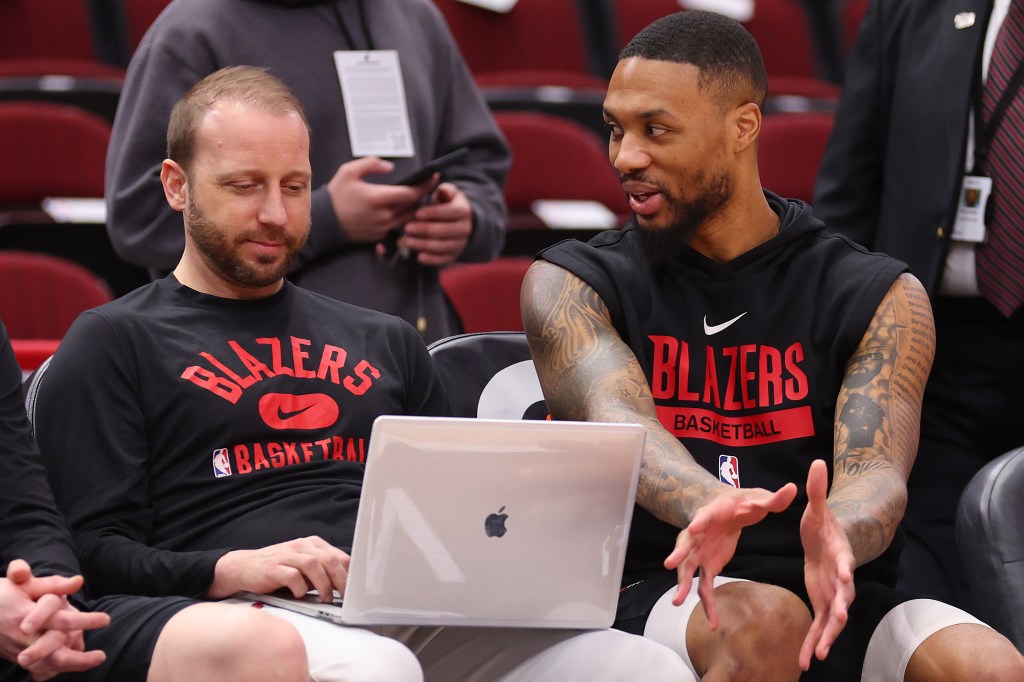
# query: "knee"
{"points": [[761, 629], [230, 643], [965, 652], [275, 650]]}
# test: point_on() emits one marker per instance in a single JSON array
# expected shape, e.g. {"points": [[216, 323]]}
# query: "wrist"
{"points": [[225, 580]]}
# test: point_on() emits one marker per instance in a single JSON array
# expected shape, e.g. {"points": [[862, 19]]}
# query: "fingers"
{"points": [[810, 642], [41, 612], [436, 243], [441, 230], [435, 252], [445, 193], [837, 617], [368, 165], [685, 562], [69, 661], [684, 575], [835, 624], [18, 571], [48, 656], [71, 619], [317, 563], [334, 563], [782, 498], [292, 578], [449, 205], [35, 588], [817, 484], [706, 591]]}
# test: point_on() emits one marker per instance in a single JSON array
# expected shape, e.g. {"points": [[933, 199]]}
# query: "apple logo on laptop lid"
{"points": [[494, 524]]}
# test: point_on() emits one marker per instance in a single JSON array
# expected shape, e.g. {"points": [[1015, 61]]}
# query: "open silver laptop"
{"points": [[489, 522]]}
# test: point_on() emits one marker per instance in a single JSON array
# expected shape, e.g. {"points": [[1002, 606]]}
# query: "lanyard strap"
{"points": [[362, 24]]}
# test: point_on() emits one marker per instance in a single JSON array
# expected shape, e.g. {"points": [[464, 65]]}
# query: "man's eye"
{"points": [[655, 131]]}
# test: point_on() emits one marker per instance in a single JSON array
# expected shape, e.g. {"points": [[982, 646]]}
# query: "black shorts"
{"points": [[129, 640]]}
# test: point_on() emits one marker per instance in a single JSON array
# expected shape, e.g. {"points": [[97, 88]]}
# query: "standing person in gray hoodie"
{"points": [[372, 243]]}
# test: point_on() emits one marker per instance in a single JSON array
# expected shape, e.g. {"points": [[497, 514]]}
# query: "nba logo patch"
{"points": [[729, 470], [221, 464]]}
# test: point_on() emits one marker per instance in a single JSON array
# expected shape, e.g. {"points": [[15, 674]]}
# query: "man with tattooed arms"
{"points": [[751, 343]]}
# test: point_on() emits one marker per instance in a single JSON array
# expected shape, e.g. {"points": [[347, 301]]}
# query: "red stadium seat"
{"points": [[544, 36], [45, 28], [91, 85], [41, 295], [486, 295], [554, 158], [50, 150], [790, 150], [30, 353], [780, 27]]}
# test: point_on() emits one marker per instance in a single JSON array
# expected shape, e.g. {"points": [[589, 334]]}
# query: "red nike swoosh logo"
{"points": [[307, 412]]}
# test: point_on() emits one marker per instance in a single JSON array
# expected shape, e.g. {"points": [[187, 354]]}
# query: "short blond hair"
{"points": [[249, 85]]}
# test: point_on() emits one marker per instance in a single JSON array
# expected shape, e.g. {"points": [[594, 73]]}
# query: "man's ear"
{"points": [[746, 124], [175, 183]]}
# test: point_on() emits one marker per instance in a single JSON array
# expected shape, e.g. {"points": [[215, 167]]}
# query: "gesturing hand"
{"points": [[296, 565], [828, 568], [709, 541]]}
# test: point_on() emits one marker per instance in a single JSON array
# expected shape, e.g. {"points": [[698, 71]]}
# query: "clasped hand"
{"points": [[39, 629]]}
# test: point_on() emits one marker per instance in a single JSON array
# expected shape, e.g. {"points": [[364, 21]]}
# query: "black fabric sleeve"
{"points": [[92, 434], [30, 527], [848, 192], [425, 391]]}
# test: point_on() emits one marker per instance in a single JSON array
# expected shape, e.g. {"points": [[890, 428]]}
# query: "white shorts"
{"points": [[412, 654]]}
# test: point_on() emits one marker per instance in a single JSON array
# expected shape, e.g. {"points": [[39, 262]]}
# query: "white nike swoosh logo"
{"points": [[709, 330]]}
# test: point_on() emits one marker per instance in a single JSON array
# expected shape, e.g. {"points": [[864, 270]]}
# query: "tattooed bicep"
{"points": [[555, 300], [878, 411]]}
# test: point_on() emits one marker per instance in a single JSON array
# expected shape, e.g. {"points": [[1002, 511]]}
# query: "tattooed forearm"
{"points": [[878, 417], [862, 418], [588, 373]]}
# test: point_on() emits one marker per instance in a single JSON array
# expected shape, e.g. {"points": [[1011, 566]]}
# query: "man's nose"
{"points": [[629, 154], [273, 211]]}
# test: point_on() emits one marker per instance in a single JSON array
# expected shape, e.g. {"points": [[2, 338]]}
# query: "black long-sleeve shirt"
{"points": [[178, 426], [30, 527]]}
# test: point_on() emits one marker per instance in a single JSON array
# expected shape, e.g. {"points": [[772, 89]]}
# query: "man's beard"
{"points": [[660, 245], [212, 242]]}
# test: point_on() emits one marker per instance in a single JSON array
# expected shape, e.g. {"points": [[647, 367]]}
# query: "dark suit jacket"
{"points": [[891, 173]]}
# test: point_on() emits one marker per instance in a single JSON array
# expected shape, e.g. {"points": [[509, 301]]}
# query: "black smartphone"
{"points": [[421, 174]]}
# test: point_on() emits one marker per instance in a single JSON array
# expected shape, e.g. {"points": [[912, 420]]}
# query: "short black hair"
{"points": [[726, 54]]}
